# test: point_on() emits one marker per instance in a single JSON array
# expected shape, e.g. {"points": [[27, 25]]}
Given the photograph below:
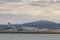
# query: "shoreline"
{"points": [[31, 32]]}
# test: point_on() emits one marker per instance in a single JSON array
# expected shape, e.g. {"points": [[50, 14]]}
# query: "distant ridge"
{"points": [[40, 24]]}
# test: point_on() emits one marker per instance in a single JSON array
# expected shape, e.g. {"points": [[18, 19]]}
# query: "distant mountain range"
{"points": [[39, 24], [42, 24]]}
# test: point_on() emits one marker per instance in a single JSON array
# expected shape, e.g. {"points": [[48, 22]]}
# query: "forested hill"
{"points": [[40, 24]]}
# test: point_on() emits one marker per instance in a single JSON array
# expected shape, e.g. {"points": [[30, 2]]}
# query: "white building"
{"points": [[30, 28]]}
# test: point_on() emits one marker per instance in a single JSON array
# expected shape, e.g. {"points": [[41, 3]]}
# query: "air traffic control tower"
{"points": [[9, 24]]}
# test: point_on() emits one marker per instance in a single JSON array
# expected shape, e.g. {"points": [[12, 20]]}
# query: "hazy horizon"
{"points": [[23, 11]]}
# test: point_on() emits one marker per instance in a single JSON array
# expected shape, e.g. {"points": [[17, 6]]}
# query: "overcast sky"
{"points": [[23, 11]]}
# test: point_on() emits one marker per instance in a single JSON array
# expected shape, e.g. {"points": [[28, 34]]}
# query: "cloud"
{"points": [[22, 18], [28, 10], [11, 0]]}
